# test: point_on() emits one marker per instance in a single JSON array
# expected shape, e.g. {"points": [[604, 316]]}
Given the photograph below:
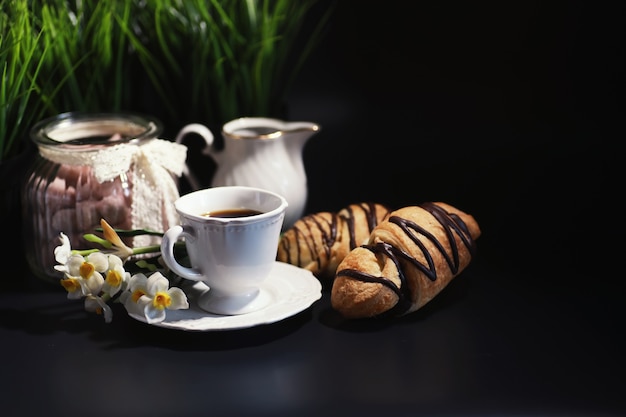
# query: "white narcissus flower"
{"points": [[86, 272], [98, 277], [115, 276], [73, 287], [73, 282], [73, 264], [148, 298]]}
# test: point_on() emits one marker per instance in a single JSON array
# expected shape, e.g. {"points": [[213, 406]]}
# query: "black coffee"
{"points": [[229, 213]]}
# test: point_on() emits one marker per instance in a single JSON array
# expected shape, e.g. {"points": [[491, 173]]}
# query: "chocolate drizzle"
{"points": [[369, 209], [305, 238], [328, 230], [451, 223]]}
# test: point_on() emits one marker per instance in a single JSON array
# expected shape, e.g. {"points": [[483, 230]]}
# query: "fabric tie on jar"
{"points": [[152, 164]]}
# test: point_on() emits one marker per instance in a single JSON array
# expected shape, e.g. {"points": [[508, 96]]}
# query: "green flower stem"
{"points": [[154, 248], [146, 249], [90, 237], [136, 251], [84, 252]]}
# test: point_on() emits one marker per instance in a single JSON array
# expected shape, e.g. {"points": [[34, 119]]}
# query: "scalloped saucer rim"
{"points": [[291, 289]]}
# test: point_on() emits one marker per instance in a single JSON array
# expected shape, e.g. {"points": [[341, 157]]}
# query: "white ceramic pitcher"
{"points": [[264, 153]]}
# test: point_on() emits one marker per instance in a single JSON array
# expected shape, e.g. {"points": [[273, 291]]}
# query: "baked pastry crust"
{"points": [[318, 242], [409, 258]]}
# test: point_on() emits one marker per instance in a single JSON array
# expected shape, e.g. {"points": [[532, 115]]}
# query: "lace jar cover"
{"points": [[92, 167]]}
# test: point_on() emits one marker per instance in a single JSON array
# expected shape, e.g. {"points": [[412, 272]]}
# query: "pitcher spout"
{"points": [[305, 127], [298, 133]]}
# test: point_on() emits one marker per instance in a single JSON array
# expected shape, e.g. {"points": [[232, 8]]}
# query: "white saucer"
{"points": [[290, 289]]}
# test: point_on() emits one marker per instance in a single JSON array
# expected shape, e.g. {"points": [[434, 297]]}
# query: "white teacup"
{"points": [[232, 255]]}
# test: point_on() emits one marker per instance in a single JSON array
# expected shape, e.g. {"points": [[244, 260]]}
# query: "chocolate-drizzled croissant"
{"points": [[409, 258], [319, 241]]}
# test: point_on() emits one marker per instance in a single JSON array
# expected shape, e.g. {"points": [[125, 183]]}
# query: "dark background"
{"points": [[511, 111]]}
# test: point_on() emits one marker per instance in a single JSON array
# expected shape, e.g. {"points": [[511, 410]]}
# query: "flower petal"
{"points": [[92, 285], [134, 308], [97, 305], [111, 235], [99, 260], [179, 299], [151, 314], [62, 252], [156, 283], [137, 281], [74, 262], [115, 262]]}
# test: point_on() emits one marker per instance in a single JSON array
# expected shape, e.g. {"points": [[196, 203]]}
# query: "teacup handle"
{"points": [[206, 134], [167, 252]]}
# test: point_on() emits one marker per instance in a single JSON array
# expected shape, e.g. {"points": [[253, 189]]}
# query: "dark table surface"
{"points": [[494, 342], [509, 111]]}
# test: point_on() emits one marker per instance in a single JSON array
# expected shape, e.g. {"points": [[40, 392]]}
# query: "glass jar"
{"points": [[92, 167]]}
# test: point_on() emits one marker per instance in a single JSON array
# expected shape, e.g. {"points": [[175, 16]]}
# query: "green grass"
{"points": [[204, 61], [231, 58], [22, 55]]}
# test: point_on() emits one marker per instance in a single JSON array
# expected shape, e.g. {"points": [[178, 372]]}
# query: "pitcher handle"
{"points": [[206, 134]]}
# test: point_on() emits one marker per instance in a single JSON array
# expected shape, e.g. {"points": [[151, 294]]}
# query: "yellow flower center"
{"points": [[70, 284], [162, 300], [114, 278], [137, 295], [86, 269]]}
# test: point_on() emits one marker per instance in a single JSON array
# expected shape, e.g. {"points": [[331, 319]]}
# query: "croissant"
{"points": [[409, 258], [319, 241]]}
